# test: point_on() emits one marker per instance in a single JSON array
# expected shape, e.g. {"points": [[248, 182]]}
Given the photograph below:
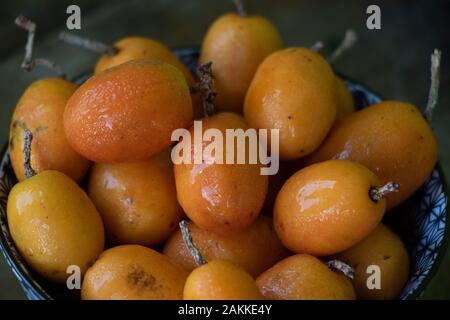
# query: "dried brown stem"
{"points": [[28, 62], [28, 138], [376, 194], [433, 95], [88, 44], [337, 265], [240, 8], [206, 87], [349, 40], [187, 239]]}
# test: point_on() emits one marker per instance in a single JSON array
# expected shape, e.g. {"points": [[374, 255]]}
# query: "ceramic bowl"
{"points": [[421, 222]]}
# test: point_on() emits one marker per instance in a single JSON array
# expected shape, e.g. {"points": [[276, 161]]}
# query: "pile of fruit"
{"points": [[95, 170]]}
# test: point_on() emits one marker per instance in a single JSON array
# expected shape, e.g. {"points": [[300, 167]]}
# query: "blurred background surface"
{"points": [[393, 61]]}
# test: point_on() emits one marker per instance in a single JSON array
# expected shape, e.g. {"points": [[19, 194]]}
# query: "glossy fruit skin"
{"points": [[384, 249], [133, 272], [40, 110], [325, 208], [127, 113], [220, 280], [390, 138], [293, 90], [54, 225], [142, 48], [236, 46], [345, 103], [304, 277], [137, 200], [221, 198], [255, 249]]}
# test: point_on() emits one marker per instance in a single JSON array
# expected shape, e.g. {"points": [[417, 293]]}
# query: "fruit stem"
{"points": [[337, 265], [88, 44], [187, 239], [29, 171], [28, 62], [434, 87], [378, 193], [206, 87], [240, 8], [349, 40], [317, 46]]}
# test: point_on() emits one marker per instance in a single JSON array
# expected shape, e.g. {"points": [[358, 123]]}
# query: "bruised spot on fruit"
{"points": [[307, 58], [290, 117], [40, 129], [386, 257], [141, 280], [19, 124]]}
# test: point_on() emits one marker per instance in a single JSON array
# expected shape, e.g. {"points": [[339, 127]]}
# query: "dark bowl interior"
{"points": [[421, 222]]}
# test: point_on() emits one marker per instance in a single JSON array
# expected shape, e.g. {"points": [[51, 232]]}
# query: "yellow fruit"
{"points": [[236, 45], [304, 277], [54, 225], [219, 197], [382, 249], [41, 110], [293, 90], [137, 200], [326, 208], [390, 138], [220, 280], [254, 249], [133, 272]]}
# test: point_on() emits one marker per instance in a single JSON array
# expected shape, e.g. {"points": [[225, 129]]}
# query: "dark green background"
{"points": [[393, 61]]}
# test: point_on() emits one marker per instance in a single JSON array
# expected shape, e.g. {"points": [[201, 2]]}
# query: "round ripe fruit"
{"points": [[326, 208], [345, 103], [128, 112], [136, 200], [237, 45], [54, 224], [221, 198], [40, 110], [133, 272], [390, 138], [254, 249], [220, 280], [304, 277], [141, 48], [384, 249], [294, 90]]}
